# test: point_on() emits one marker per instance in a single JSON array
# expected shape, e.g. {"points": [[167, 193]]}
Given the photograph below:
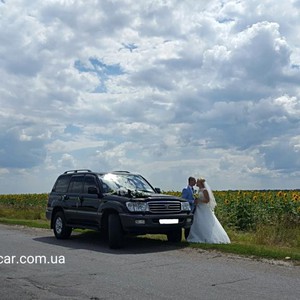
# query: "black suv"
{"points": [[116, 203]]}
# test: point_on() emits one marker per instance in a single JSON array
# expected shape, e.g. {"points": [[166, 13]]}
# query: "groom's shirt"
{"points": [[188, 194]]}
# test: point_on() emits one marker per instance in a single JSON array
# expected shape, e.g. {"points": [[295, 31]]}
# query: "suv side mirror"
{"points": [[157, 190], [92, 190]]}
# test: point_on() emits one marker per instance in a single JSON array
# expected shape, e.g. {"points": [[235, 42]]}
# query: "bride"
{"points": [[206, 228]]}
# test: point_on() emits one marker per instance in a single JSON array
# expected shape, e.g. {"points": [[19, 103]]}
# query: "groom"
{"points": [[188, 194]]}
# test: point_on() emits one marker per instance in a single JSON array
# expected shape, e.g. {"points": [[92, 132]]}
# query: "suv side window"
{"points": [[76, 184], [62, 184], [89, 181]]}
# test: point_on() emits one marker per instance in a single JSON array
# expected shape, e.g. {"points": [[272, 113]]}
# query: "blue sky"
{"points": [[164, 88]]}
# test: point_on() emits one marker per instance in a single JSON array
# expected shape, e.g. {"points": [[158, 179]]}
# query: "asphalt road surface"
{"points": [[34, 265]]}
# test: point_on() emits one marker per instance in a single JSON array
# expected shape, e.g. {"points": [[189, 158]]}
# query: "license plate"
{"points": [[168, 221]]}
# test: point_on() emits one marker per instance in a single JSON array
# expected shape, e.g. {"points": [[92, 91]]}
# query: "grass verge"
{"points": [[259, 251], [25, 222], [241, 245]]}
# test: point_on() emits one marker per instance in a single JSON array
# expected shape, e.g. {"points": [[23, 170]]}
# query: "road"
{"points": [[34, 265]]}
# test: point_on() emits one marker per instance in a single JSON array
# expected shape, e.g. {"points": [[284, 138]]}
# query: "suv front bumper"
{"points": [[142, 223]]}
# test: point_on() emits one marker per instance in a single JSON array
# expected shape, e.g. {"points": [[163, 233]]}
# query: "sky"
{"points": [[165, 88]]}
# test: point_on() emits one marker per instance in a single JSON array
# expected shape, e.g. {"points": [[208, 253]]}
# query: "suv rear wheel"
{"points": [[175, 235], [115, 232], [60, 229]]}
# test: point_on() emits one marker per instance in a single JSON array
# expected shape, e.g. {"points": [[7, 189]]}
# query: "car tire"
{"points": [[61, 230], [175, 235], [115, 232]]}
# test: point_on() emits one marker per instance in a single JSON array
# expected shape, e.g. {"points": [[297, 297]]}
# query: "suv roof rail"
{"points": [[77, 171], [121, 172]]}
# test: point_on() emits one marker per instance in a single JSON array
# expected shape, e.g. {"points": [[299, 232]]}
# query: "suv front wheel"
{"points": [[60, 229], [115, 232], [175, 235]]}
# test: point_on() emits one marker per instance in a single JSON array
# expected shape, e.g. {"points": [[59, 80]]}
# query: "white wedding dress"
{"points": [[206, 228]]}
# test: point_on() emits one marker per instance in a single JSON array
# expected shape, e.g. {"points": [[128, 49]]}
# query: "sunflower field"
{"points": [[23, 206], [246, 210], [24, 201], [239, 210]]}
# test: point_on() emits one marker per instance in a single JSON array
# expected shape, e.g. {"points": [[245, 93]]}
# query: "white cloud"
{"points": [[165, 88]]}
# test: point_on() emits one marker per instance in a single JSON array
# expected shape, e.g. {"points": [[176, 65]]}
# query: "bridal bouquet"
{"points": [[196, 195]]}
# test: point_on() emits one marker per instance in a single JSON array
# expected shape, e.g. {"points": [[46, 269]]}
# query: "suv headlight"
{"points": [[185, 206], [137, 206]]}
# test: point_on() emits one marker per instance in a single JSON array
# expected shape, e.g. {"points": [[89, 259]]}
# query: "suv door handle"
{"points": [[65, 197]]}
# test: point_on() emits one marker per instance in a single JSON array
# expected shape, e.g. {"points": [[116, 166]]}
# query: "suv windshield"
{"points": [[122, 183]]}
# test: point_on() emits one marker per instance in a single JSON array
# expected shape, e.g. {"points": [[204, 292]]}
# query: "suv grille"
{"points": [[160, 207]]}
